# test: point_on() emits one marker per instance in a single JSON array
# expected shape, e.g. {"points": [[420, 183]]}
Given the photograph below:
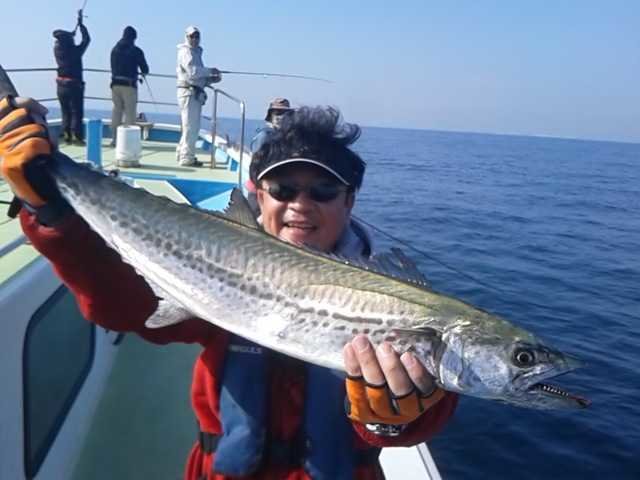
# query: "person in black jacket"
{"points": [[69, 81], [126, 59]]}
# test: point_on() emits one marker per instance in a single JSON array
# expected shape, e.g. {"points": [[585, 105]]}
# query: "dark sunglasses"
{"points": [[321, 192]]}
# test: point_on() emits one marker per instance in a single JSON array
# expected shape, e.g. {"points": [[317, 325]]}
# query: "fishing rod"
{"points": [[153, 99], [80, 16], [285, 75], [426, 255], [227, 72], [163, 75]]}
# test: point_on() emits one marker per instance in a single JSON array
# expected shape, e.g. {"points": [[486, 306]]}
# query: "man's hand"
{"points": [[214, 75], [385, 388], [23, 138]]}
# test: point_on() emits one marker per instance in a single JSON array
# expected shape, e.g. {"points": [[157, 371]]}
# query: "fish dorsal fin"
{"points": [[393, 263], [409, 268], [239, 210]]}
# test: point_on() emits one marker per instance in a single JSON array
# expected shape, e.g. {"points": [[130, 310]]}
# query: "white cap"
{"points": [[302, 160], [191, 30]]}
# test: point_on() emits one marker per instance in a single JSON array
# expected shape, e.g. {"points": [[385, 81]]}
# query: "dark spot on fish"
{"points": [[323, 313], [354, 331], [379, 331], [374, 321], [340, 328], [390, 338], [325, 324], [178, 254], [252, 290], [314, 323], [366, 331]]}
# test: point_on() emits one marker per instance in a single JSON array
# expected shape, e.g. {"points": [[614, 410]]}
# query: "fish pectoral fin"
{"points": [[167, 314], [239, 210]]}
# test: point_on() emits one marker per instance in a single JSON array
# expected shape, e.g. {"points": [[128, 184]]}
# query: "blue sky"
{"points": [[569, 68]]}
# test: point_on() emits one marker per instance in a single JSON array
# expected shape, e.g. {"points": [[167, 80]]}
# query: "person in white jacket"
{"points": [[193, 76]]}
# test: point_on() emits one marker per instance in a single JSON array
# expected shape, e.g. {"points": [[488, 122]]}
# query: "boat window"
{"points": [[58, 354]]}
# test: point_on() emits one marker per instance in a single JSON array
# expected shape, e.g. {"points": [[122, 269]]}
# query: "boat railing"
{"points": [[214, 126], [213, 119]]}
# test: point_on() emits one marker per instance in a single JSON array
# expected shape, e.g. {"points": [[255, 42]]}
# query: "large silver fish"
{"points": [[224, 268]]}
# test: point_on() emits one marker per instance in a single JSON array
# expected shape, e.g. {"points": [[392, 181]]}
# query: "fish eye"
{"points": [[524, 357]]}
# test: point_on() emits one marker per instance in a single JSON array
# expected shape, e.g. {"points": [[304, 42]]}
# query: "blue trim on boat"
{"points": [[162, 135], [199, 191], [217, 203]]}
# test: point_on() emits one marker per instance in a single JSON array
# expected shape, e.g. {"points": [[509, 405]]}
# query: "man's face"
{"points": [[303, 220]]}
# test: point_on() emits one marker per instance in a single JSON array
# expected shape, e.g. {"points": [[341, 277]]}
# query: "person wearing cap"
{"points": [[277, 109], [260, 414], [193, 77], [70, 83], [126, 60]]}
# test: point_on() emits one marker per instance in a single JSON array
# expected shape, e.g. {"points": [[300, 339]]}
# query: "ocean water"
{"points": [[550, 228], [549, 231]]}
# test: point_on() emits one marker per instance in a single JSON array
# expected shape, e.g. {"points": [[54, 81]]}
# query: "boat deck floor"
{"points": [[132, 434]]}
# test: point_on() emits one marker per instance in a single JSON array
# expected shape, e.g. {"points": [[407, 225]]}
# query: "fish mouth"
{"points": [[553, 394], [539, 394]]}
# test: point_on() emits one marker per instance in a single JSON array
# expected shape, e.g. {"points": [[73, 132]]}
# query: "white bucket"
{"points": [[128, 146]]}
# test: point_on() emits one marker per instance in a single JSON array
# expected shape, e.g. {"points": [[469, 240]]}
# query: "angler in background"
{"points": [[126, 60], [70, 82], [193, 77], [278, 108], [261, 414]]}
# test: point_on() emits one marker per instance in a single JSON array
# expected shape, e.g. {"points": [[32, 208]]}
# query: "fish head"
{"points": [[508, 366], [503, 363]]}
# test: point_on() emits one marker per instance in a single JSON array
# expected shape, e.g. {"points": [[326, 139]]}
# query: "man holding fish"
{"points": [[261, 414]]}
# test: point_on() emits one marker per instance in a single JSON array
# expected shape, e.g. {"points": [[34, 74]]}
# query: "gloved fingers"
{"points": [[390, 409], [10, 103], [393, 370], [358, 403], [13, 163], [9, 140], [30, 104], [380, 402]]}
